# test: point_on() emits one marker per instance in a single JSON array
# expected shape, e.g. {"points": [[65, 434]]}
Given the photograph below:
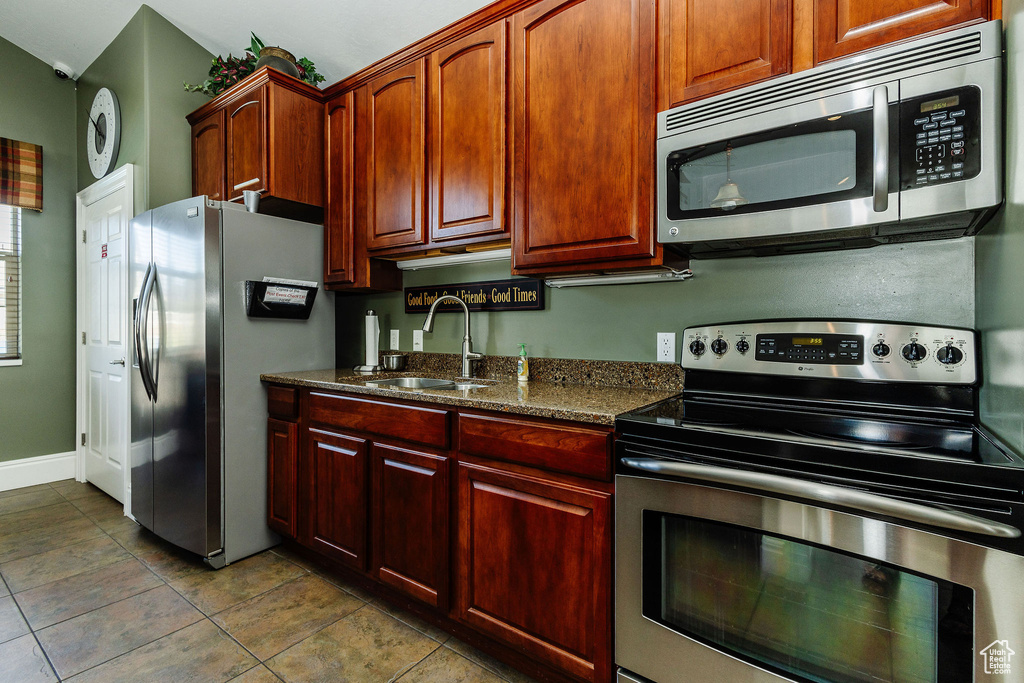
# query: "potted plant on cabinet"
{"points": [[226, 71]]}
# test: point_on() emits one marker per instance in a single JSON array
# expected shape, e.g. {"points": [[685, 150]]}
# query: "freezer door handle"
{"points": [[826, 493], [141, 331]]}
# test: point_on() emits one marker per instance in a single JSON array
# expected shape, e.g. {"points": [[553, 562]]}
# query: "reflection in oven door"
{"points": [[718, 585]]}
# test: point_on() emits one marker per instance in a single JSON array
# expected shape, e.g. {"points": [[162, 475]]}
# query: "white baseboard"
{"points": [[16, 474]]}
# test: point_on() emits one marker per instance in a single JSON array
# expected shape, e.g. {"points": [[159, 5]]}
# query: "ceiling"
{"points": [[339, 36]]}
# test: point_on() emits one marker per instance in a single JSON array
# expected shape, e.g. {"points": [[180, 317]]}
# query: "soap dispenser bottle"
{"points": [[523, 366]]}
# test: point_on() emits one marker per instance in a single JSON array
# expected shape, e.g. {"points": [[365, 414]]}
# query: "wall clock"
{"points": [[103, 134]]}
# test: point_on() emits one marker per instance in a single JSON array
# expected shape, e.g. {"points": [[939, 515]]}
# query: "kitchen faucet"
{"points": [[468, 357]]}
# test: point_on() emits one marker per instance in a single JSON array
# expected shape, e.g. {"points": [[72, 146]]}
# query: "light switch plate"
{"points": [[417, 340], [394, 340], [667, 347]]}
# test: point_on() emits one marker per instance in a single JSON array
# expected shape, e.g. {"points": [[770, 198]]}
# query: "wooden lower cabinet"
{"points": [[282, 476], [335, 500], [410, 522], [534, 567], [494, 527]]}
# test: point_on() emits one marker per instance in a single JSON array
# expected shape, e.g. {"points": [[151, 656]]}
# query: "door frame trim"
{"points": [[123, 180]]}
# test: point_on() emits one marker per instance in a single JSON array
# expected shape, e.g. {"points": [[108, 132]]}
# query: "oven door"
{"points": [[830, 163], [719, 585]]}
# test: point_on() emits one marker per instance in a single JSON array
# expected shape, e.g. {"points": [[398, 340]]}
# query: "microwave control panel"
{"points": [[939, 138]]}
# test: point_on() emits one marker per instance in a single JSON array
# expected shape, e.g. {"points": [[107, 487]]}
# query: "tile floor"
{"points": [[87, 595]]}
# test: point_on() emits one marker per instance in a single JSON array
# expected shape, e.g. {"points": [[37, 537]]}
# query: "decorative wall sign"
{"points": [[525, 294]]}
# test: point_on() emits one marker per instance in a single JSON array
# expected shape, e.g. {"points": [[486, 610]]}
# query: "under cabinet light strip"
{"points": [[455, 259], [621, 279]]}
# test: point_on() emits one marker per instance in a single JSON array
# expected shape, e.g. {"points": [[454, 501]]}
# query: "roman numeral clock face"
{"points": [[103, 136]]}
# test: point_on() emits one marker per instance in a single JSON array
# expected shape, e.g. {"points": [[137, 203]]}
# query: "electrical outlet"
{"points": [[667, 347], [394, 340], [417, 340]]}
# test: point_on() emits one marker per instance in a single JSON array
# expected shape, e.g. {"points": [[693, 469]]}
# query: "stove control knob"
{"points": [[881, 349], [697, 347], [719, 347], [949, 355], [914, 352], [742, 346]]}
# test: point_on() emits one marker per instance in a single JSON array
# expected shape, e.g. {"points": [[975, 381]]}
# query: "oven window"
{"points": [[816, 162], [806, 612]]}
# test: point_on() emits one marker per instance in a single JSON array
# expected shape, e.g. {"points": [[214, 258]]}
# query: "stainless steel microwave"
{"points": [[899, 144]]}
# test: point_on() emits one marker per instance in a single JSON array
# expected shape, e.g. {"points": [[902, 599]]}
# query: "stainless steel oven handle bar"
{"points": [[880, 116], [824, 493]]}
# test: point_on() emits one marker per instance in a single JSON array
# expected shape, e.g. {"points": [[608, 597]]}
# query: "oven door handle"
{"points": [[825, 493]]}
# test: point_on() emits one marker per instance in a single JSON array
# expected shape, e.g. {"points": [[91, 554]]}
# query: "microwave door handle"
{"points": [[825, 493], [880, 166]]}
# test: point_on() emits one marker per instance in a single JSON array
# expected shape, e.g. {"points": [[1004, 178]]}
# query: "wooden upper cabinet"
{"points": [[847, 26], [710, 46], [208, 157], [467, 136], [271, 139], [246, 144], [583, 123], [394, 118], [339, 233]]}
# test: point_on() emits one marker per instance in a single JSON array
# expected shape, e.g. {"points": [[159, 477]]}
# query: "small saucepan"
{"points": [[394, 361]]}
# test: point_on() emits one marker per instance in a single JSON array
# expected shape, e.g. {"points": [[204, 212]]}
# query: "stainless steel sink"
{"points": [[431, 383], [414, 383]]}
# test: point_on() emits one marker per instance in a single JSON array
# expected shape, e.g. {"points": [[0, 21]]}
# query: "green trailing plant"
{"points": [[226, 71]]}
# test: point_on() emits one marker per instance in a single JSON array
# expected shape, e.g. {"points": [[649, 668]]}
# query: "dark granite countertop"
{"points": [[583, 391]]}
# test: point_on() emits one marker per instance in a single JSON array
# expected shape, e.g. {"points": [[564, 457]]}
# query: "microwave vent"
{"points": [[862, 71]]}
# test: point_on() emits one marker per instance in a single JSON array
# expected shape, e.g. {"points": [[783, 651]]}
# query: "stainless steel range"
{"points": [[819, 505]]}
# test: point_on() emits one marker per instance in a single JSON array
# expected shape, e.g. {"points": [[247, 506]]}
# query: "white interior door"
{"points": [[105, 210]]}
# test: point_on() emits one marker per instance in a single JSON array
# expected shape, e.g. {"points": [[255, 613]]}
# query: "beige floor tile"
{"points": [[61, 563], [38, 519], [29, 500], [11, 624], [446, 666], [23, 662], [169, 562], [103, 634], [139, 540], [23, 490], [201, 653], [434, 632], [98, 505], [72, 490], [488, 662], [54, 602], [4, 590], [36, 541], [279, 618], [257, 674], [115, 522], [366, 646], [215, 590]]}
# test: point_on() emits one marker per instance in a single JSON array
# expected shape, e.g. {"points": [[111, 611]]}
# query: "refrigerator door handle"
{"points": [[141, 330]]}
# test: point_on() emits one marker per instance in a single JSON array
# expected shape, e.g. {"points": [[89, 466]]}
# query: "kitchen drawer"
{"points": [[399, 421], [575, 450], [283, 402]]}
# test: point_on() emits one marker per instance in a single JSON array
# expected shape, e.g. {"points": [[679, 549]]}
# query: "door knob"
{"points": [[118, 362]]}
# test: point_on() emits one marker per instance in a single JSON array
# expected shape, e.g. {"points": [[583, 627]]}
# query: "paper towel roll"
{"points": [[372, 339]]}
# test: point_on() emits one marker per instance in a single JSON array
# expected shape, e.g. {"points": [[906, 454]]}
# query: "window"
{"points": [[10, 285]]}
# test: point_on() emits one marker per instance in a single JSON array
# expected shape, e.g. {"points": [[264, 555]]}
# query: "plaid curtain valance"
{"points": [[21, 174]]}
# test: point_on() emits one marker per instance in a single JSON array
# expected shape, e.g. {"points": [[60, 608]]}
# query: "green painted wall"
{"points": [[37, 399], [145, 66], [620, 322], [1000, 259]]}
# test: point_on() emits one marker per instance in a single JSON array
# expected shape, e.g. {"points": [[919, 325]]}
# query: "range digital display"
{"points": [[935, 105], [808, 341]]}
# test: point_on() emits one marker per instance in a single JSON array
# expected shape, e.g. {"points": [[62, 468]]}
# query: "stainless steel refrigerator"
{"points": [[199, 414]]}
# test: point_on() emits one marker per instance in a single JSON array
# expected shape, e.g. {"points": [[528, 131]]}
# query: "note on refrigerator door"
{"points": [[286, 295]]}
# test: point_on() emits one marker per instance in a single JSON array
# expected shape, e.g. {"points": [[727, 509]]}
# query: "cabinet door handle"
{"points": [[247, 183], [243, 107]]}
